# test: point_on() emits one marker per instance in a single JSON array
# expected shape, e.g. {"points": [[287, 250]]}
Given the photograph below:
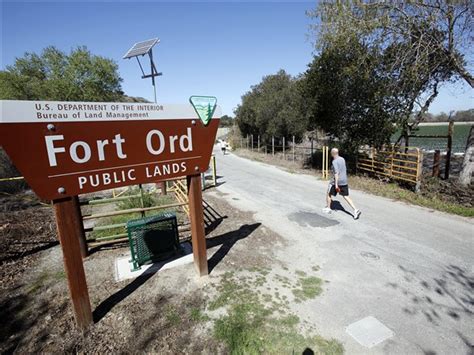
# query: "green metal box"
{"points": [[153, 238]]}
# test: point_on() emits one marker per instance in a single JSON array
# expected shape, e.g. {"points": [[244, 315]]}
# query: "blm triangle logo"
{"points": [[204, 107]]}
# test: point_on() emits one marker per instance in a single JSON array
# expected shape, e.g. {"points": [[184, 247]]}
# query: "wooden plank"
{"points": [[68, 233], [131, 210], [196, 215]]}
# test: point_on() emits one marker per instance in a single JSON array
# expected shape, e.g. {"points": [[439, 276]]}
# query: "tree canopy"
{"points": [[273, 108], [422, 44], [55, 75]]}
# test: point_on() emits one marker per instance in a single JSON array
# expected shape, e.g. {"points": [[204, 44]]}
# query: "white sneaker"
{"points": [[327, 210], [357, 214]]}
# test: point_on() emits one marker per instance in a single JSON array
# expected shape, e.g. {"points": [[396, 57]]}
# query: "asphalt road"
{"points": [[409, 267]]}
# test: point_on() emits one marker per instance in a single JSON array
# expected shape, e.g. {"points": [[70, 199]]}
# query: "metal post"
{"points": [[258, 143], [284, 154], [327, 162], [273, 146], [252, 141], [293, 149], [448, 149], [323, 166], [312, 146]]}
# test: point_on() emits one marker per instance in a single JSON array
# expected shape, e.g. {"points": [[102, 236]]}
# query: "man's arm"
{"points": [[336, 173]]}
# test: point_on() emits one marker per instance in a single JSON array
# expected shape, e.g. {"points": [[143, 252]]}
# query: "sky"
{"points": [[206, 48]]}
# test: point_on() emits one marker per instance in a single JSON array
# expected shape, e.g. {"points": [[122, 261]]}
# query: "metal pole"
{"points": [[324, 162], [252, 142], [293, 149], [258, 143], [284, 154], [273, 146]]}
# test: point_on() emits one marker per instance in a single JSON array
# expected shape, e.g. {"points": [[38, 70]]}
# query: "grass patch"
{"points": [[308, 287], [257, 323], [172, 316], [197, 315], [431, 194]]}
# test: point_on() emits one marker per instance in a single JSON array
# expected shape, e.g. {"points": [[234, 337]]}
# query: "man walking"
{"points": [[338, 183]]}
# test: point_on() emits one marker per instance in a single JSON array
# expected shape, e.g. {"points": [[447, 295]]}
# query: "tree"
{"points": [[55, 75], [423, 44], [273, 108], [226, 121], [465, 176], [346, 95]]}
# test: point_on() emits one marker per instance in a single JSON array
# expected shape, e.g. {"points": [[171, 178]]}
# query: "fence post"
{"points": [[373, 159], [419, 170], [142, 201], [273, 146], [448, 150], [214, 170], [436, 160], [251, 140], [247, 142], [241, 143], [312, 145], [258, 143], [323, 164], [284, 154], [293, 149], [327, 162]]}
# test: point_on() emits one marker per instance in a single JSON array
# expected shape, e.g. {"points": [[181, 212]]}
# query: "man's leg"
{"points": [[328, 200], [349, 201], [356, 211]]}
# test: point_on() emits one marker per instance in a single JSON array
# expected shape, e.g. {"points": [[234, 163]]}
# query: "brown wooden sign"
{"points": [[70, 148]]}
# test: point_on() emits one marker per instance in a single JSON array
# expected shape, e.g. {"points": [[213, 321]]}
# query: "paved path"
{"points": [[409, 267]]}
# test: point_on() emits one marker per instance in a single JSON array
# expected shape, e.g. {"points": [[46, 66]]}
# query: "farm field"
{"points": [[461, 131]]}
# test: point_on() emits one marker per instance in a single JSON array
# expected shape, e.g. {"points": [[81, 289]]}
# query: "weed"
{"points": [[172, 316], [198, 316], [308, 288], [251, 327]]}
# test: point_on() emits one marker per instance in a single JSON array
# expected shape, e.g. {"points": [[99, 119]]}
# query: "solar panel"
{"points": [[141, 48]]}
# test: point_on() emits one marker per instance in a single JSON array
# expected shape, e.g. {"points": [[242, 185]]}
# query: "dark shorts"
{"points": [[344, 190]]}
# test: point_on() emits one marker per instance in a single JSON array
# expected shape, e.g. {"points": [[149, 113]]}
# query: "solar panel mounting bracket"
{"points": [[141, 49]]}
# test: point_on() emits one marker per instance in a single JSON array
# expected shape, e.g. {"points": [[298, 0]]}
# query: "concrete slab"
{"points": [[123, 266], [369, 331]]}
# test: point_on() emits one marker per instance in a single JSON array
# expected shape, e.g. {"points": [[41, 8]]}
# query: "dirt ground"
{"points": [[241, 306]]}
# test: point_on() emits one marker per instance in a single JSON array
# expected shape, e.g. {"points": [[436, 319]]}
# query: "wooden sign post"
{"points": [[196, 215], [69, 235], [64, 149]]}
